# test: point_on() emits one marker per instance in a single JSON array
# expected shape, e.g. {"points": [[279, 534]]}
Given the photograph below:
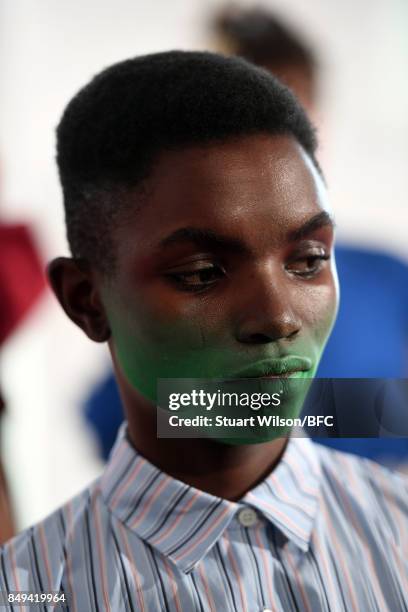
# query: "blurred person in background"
{"points": [[21, 283], [374, 285]]}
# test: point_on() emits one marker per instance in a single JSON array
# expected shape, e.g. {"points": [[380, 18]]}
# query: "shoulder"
{"points": [[366, 490], [35, 559]]}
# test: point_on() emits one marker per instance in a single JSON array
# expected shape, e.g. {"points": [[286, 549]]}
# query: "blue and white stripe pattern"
{"points": [[327, 532]]}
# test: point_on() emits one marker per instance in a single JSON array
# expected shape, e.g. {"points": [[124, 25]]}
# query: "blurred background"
{"points": [[48, 50]]}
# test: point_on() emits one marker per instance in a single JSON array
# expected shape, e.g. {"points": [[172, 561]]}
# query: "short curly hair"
{"points": [[114, 128]]}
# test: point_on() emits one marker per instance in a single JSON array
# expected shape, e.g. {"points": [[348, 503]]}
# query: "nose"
{"points": [[265, 309]]}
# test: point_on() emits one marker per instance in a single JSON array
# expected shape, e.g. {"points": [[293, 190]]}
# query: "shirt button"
{"points": [[247, 517]]}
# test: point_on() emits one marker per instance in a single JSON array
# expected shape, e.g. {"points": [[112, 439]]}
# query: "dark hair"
{"points": [[258, 36], [113, 130]]}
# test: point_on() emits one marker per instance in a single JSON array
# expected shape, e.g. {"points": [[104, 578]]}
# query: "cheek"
{"points": [[181, 322], [321, 310], [165, 338]]}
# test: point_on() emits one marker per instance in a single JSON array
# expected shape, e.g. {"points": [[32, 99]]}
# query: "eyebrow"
{"points": [[202, 236], [320, 220], [207, 237]]}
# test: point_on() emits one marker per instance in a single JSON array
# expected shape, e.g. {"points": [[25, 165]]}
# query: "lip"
{"points": [[281, 367]]}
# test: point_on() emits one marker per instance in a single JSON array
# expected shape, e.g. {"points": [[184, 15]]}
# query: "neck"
{"points": [[220, 469]]}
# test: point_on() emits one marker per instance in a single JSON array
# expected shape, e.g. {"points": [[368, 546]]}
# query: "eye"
{"points": [[309, 265], [198, 277]]}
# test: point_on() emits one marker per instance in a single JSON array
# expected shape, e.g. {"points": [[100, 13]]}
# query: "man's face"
{"points": [[225, 267]]}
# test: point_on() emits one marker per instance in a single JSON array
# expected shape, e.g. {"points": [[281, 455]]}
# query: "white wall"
{"points": [[48, 50]]}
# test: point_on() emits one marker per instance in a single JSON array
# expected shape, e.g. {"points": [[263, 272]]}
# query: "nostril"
{"points": [[293, 334], [247, 337], [257, 339]]}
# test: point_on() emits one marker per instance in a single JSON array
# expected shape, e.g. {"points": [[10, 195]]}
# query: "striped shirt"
{"points": [[324, 531]]}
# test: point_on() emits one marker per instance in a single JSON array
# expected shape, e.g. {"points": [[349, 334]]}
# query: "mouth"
{"points": [[272, 376], [283, 367]]}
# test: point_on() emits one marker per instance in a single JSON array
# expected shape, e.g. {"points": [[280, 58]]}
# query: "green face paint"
{"points": [[175, 352]]}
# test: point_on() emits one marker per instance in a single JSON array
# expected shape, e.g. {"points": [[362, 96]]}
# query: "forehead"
{"points": [[245, 186]]}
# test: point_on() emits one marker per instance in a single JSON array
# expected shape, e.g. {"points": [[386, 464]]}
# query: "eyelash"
{"points": [[179, 278], [321, 258]]}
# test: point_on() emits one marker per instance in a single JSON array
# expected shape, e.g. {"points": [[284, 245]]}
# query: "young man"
{"points": [[201, 242]]}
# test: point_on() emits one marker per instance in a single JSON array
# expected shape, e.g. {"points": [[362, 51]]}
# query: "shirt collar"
{"points": [[289, 496], [184, 523]]}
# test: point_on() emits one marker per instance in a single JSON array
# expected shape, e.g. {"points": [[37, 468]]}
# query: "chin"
{"points": [[248, 441]]}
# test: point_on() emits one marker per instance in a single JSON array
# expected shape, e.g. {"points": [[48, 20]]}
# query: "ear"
{"points": [[74, 284]]}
